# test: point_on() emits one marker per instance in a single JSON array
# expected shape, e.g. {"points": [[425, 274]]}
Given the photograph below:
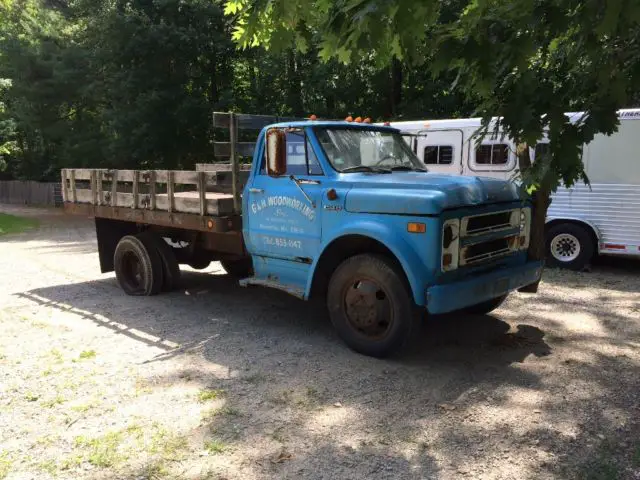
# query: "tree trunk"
{"points": [[396, 85], [541, 199], [295, 87]]}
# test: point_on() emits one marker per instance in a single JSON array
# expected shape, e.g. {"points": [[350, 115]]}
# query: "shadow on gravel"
{"points": [[207, 303], [294, 382]]}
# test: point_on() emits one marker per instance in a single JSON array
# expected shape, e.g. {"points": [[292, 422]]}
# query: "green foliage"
{"points": [[526, 61], [132, 84]]}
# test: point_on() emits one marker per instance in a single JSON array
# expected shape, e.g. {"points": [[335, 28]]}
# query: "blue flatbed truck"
{"points": [[340, 210]]}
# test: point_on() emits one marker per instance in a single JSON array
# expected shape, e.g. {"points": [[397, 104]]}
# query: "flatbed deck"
{"points": [[197, 200]]}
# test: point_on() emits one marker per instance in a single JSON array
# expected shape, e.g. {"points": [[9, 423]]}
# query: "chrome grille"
{"points": [[479, 252], [490, 222]]}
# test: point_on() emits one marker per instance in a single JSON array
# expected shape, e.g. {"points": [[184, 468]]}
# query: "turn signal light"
{"points": [[331, 194], [447, 259], [415, 227]]}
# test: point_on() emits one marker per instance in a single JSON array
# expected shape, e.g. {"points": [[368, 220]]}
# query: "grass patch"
{"points": [[52, 402], [49, 466], [47, 440], [208, 394], [214, 446], [86, 355], [5, 465], [283, 397], [73, 461], [168, 445], [102, 451], [84, 407], [227, 411], [255, 378], [13, 224], [55, 354], [635, 459], [31, 397]]}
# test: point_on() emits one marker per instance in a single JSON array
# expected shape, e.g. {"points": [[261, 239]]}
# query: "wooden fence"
{"points": [[30, 193]]}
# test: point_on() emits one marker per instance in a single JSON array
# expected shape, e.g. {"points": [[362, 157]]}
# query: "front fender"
{"points": [[410, 261]]}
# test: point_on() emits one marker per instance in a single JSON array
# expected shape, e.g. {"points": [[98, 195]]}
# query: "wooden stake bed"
{"points": [[180, 198]]}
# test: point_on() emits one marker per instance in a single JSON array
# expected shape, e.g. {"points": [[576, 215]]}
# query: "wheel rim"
{"points": [[132, 270], [565, 247], [368, 308]]}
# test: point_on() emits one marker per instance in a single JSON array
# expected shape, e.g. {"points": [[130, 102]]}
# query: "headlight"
{"points": [[525, 227], [450, 244]]}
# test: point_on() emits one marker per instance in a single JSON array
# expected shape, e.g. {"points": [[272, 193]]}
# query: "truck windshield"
{"points": [[354, 150]]}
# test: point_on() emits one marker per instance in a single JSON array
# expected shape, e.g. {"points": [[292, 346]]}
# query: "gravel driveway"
{"points": [[222, 382]]}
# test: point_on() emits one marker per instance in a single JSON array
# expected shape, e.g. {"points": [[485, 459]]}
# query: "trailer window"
{"points": [[494, 154], [438, 155]]}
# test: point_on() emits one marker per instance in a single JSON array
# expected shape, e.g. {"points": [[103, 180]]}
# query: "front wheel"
{"points": [[569, 246], [370, 305]]}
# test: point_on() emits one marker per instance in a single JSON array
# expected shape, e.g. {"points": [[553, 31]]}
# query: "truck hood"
{"points": [[422, 193]]}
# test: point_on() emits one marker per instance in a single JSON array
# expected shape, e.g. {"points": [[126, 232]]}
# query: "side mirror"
{"points": [[276, 153]]}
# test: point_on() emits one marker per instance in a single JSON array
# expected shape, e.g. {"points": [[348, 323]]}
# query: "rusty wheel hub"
{"points": [[368, 308]]}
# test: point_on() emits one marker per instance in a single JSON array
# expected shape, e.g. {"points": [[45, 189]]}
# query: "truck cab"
{"points": [[346, 211]]}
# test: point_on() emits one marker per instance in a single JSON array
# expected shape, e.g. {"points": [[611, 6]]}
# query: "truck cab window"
{"points": [[362, 148], [438, 155], [301, 159], [494, 154]]}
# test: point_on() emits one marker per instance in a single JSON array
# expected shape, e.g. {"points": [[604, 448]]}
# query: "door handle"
{"points": [[256, 190]]}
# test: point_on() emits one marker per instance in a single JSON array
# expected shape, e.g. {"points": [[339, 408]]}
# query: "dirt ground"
{"points": [[222, 382]]}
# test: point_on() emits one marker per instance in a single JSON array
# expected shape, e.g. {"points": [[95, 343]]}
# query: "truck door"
{"points": [[284, 212]]}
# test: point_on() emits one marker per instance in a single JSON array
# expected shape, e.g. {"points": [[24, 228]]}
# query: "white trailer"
{"points": [[582, 221]]}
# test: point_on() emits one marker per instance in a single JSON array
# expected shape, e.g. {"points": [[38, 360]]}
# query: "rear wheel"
{"points": [[242, 268], [370, 305], [486, 307], [569, 246], [138, 266], [170, 265]]}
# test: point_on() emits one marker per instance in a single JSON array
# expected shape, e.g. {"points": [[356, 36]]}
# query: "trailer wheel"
{"points": [[138, 266], [170, 265], [569, 246], [370, 305], [486, 307], [242, 268]]}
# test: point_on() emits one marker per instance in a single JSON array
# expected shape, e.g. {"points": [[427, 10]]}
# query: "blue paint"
{"points": [[286, 231]]}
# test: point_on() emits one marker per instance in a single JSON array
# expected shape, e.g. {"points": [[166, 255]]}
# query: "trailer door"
{"points": [[441, 150]]}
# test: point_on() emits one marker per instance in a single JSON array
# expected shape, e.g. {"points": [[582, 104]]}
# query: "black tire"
{"points": [[486, 307], [242, 268], [170, 265], [138, 266], [386, 319], [199, 263], [569, 246]]}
